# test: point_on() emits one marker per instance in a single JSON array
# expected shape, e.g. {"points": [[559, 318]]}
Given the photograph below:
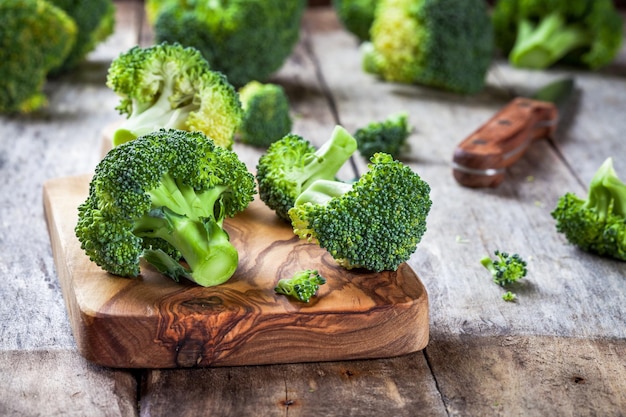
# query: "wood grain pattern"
{"points": [[153, 322]]}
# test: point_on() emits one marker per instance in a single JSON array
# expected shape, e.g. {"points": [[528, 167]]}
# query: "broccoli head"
{"points": [[244, 39], [95, 20], [266, 115], [168, 86], [506, 268], [291, 164], [163, 196], [302, 286], [35, 38], [356, 16], [598, 223], [538, 34], [374, 223], [387, 136], [445, 44]]}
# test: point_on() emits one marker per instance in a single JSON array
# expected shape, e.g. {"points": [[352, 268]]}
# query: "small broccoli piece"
{"points": [[538, 34], [374, 223], [445, 44], [290, 164], [244, 39], [168, 86], [302, 286], [387, 136], [35, 38], [596, 224], [356, 16], [95, 20], [506, 268], [161, 195], [509, 296], [266, 117]]}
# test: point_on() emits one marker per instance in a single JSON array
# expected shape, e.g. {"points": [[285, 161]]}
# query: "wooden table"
{"points": [[559, 350]]}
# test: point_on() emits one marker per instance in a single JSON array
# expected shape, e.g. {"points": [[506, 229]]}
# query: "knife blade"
{"points": [[480, 160]]}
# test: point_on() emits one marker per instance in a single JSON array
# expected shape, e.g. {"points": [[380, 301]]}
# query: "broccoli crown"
{"points": [[266, 117], [506, 268], [375, 223], [164, 195], [598, 223], [245, 39], [290, 164], [443, 44], [302, 286], [171, 87], [387, 136], [95, 20], [538, 34], [356, 16], [35, 38]]}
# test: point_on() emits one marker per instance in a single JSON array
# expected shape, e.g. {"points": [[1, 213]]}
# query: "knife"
{"points": [[481, 159]]}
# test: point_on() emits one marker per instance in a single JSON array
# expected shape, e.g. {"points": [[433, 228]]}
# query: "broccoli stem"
{"points": [[322, 191], [148, 118], [328, 159], [607, 193], [541, 45], [191, 223]]}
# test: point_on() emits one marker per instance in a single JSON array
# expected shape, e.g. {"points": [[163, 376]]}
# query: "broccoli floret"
{"points": [[445, 44], [266, 117], [290, 164], [509, 296], [245, 39], [539, 34], [356, 16], [168, 86], [374, 223], [161, 195], [506, 268], [95, 20], [596, 224], [35, 38], [387, 136], [302, 286]]}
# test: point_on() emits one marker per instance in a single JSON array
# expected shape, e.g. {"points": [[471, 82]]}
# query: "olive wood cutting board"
{"points": [[153, 322]]}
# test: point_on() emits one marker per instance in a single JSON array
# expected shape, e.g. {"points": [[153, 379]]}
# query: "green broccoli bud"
{"points": [[509, 296], [167, 86], [387, 136], [356, 16], [506, 268], [164, 197], [302, 285], [596, 224]]}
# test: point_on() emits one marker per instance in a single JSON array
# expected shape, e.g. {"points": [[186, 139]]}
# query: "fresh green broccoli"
{"points": [[35, 38], [95, 20], [168, 86], [356, 16], [266, 117], [387, 136], [598, 223], [165, 194], [244, 39], [374, 223], [509, 296], [302, 286], [290, 164], [506, 268], [445, 44], [539, 34]]}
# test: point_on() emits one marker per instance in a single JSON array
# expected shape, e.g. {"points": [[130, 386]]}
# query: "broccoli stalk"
{"points": [[374, 223], [164, 197], [291, 164], [167, 86], [302, 285], [598, 223], [540, 46]]}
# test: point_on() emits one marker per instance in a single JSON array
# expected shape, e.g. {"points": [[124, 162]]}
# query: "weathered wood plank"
{"points": [[530, 375], [398, 387], [60, 382]]}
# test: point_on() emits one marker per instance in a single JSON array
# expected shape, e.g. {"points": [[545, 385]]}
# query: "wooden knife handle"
{"points": [[481, 158]]}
